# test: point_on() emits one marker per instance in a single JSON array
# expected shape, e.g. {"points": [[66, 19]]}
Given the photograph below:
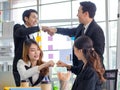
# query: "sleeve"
{"points": [[99, 41], [22, 31], [25, 74], [72, 32], [76, 69], [67, 31]]}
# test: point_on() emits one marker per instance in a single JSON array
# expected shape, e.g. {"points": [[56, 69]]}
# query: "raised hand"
{"points": [[50, 63]]}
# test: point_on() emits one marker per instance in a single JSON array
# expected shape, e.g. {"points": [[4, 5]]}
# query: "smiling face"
{"points": [[34, 52], [83, 17], [80, 15], [32, 20]]}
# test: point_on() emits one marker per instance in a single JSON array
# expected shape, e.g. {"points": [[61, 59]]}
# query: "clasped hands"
{"points": [[50, 30]]}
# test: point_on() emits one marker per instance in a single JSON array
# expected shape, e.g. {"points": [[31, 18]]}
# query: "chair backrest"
{"points": [[111, 80]]}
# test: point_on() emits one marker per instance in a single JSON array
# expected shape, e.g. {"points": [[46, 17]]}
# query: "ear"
{"points": [[86, 13], [26, 19], [80, 50]]}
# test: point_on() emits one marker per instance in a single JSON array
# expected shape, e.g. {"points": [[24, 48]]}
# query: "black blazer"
{"points": [[94, 31], [20, 34], [87, 79]]}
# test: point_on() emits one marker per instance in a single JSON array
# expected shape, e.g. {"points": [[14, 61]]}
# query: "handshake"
{"points": [[50, 30]]}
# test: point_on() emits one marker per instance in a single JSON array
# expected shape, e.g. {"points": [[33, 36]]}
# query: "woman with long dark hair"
{"points": [[90, 76]]}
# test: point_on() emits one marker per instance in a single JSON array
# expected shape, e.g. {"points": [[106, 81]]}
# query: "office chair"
{"points": [[111, 80]]}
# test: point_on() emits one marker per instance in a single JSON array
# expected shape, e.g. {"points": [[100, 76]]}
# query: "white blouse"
{"points": [[25, 74]]}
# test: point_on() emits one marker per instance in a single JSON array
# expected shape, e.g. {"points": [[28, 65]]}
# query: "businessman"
{"points": [[88, 27]]}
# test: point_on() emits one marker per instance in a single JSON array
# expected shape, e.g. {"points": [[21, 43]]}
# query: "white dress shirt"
{"points": [[25, 74], [86, 27]]}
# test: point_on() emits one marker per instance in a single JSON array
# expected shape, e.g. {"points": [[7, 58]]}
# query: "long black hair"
{"points": [[93, 59]]}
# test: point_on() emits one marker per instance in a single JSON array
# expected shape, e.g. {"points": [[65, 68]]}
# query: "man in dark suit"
{"points": [[88, 27], [20, 34]]}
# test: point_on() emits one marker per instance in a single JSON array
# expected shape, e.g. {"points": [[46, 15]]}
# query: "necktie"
{"points": [[82, 30]]}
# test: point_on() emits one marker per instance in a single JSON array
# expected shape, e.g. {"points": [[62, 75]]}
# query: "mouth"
{"points": [[36, 56]]}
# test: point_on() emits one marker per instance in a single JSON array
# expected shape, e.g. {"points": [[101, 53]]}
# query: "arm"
{"points": [[64, 31], [73, 69], [24, 74], [32, 71], [22, 31], [99, 42], [67, 31], [62, 64]]}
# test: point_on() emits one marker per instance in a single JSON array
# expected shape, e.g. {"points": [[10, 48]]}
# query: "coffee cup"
{"points": [[24, 84], [46, 86]]}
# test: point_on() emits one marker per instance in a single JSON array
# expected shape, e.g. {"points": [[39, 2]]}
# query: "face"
{"points": [[78, 53], [34, 52], [32, 20], [81, 16]]}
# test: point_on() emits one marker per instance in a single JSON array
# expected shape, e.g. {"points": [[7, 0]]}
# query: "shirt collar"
{"points": [[25, 25], [86, 26]]}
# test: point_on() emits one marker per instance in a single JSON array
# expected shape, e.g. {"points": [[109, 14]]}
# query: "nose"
{"points": [[77, 15], [36, 20]]}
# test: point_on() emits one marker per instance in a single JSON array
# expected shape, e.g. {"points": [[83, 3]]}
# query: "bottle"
{"points": [[55, 85]]}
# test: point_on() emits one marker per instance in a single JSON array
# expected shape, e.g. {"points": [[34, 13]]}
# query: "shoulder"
{"points": [[95, 30], [21, 62], [17, 26], [90, 73], [95, 26]]}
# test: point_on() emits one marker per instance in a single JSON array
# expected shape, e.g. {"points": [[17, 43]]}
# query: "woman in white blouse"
{"points": [[31, 67]]}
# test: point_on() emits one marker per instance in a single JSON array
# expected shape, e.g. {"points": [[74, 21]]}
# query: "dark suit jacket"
{"points": [[87, 79], [20, 34], [94, 31]]}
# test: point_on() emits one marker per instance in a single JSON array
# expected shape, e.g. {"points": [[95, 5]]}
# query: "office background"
{"points": [[59, 13]]}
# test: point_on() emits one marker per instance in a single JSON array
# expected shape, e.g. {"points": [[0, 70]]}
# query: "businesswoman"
{"points": [[31, 67], [90, 77]]}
